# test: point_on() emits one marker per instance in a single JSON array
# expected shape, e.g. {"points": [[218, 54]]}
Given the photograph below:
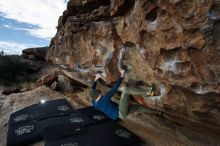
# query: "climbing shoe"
{"points": [[150, 93], [151, 90]]}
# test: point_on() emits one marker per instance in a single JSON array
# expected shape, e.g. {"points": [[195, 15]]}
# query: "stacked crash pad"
{"points": [[59, 124], [24, 125]]}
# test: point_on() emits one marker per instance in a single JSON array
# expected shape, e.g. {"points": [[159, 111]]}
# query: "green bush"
{"points": [[11, 68]]}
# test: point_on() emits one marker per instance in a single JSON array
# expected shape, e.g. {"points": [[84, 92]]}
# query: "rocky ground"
{"points": [[153, 129]]}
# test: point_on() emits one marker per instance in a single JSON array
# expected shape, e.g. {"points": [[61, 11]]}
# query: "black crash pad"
{"points": [[23, 134], [21, 116], [80, 119], [40, 111], [68, 141], [94, 114], [52, 108], [61, 131], [76, 119], [104, 134], [52, 122]]}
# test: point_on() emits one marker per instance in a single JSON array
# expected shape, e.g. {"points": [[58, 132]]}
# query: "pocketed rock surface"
{"points": [[172, 43]]}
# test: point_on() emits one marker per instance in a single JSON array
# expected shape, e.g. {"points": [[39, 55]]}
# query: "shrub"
{"points": [[11, 68]]}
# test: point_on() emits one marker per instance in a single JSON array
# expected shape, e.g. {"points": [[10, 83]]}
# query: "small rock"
{"points": [[23, 90], [54, 85], [10, 90]]}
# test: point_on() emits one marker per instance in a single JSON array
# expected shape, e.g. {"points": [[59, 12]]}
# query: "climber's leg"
{"points": [[123, 104], [137, 91], [125, 98]]}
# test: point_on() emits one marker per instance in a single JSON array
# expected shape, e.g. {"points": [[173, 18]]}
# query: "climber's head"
{"points": [[94, 94]]}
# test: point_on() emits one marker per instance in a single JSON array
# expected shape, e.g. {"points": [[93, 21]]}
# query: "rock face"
{"points": [[35, 53], [47, 79], [172, 43]]}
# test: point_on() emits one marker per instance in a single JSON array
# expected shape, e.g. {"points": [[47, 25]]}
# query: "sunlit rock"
{"points": [[173, 44]]}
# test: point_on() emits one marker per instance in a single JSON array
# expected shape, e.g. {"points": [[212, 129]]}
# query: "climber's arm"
{"points": [[94, 85], [95, 81], [116, 85]]}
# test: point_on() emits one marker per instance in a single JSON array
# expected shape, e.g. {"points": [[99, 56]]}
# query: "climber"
{"points": [[111, 109]]}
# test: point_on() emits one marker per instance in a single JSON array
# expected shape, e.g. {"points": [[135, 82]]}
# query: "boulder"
{"points": [[47, 79], [35, 53], [10, 90], [170, 43]]}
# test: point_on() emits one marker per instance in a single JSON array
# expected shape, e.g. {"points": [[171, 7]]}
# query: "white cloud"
{"points": [[42, 13], [10, 47], [7, 26]]}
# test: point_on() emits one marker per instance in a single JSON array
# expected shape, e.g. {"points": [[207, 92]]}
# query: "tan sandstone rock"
{"points": [[47, 79], [35, 53], [172, 43]]}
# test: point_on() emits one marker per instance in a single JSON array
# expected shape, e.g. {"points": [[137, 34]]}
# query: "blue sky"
{"points": [[28, 23]]}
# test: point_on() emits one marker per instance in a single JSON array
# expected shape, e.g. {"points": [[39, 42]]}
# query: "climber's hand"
{"points": [[122, 71], [98, 76]]}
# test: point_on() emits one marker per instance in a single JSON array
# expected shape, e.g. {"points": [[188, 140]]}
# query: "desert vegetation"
{"points": [[14, 70]]}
